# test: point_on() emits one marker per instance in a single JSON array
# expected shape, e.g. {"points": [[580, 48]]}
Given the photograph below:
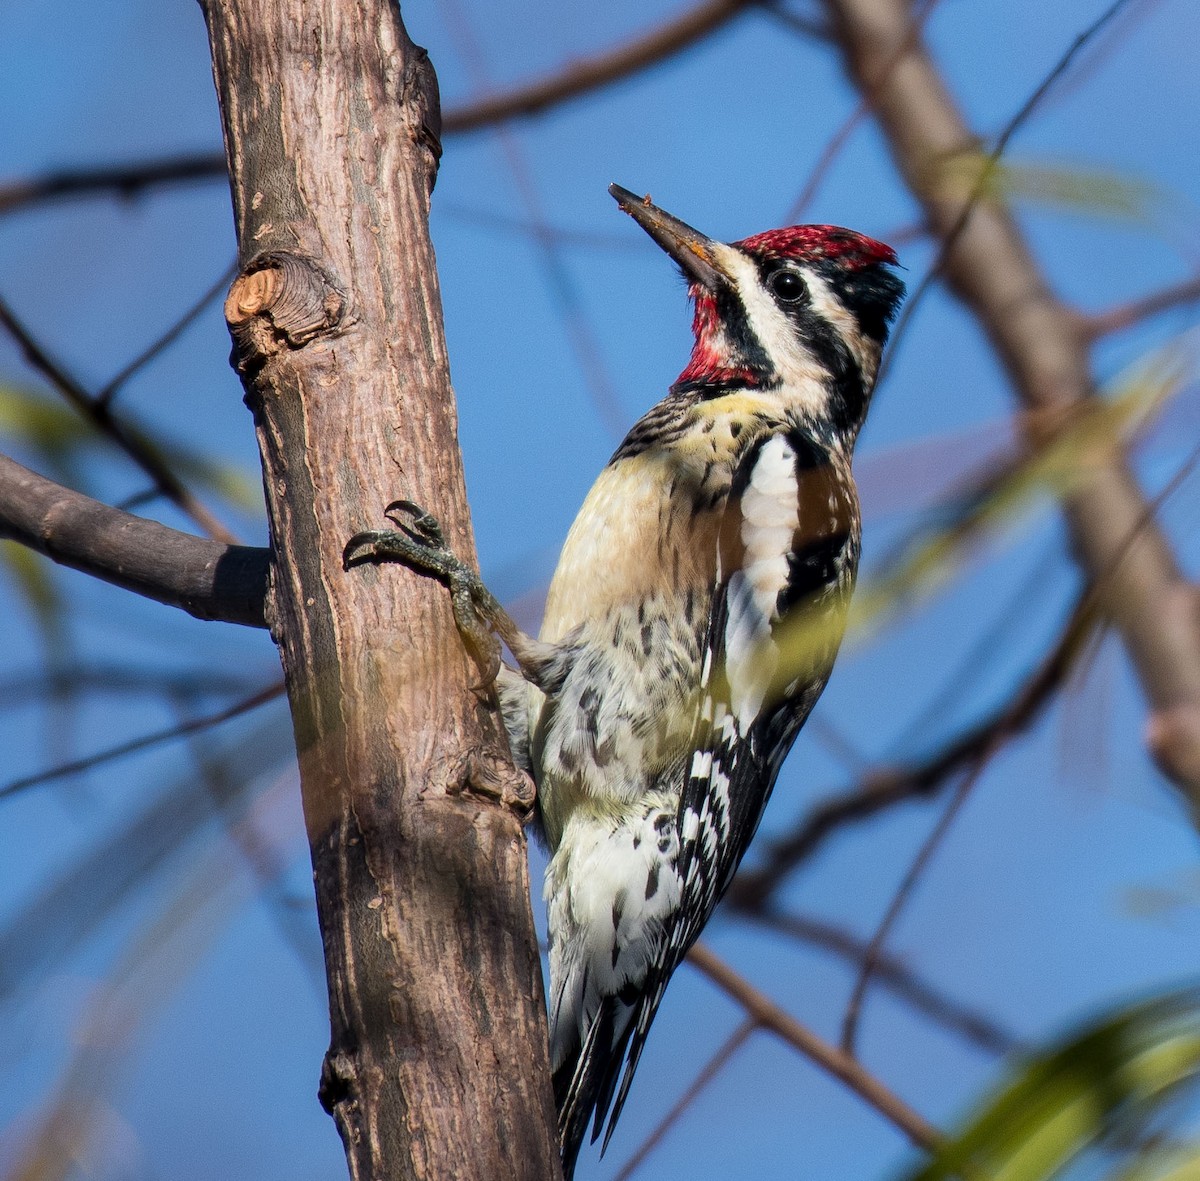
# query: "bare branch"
{"points": [[109, 390], [1039, 340], [707, 1073], [123, 180], [97, 412], [157, 738], [829, 1058], [886, 787], [1129, 315], [904, 891], [893, 973], [204, 578], [603, 69]]}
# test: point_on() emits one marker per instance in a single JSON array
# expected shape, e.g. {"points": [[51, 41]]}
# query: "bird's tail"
{"points": [[585, 1082]]}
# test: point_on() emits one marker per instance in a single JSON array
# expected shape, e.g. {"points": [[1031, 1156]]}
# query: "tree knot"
{"points": [[280, 301]]}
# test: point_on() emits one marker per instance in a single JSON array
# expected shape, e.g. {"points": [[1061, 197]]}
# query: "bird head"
{"points": [[802, 312]]}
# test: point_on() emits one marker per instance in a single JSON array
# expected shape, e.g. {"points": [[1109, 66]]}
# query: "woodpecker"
{"points": [[691, 625]]}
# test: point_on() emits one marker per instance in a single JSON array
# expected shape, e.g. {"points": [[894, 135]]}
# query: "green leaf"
{"points": [[35, 583], [1177, 1163], [1074, 188], [1096, 1087], [59, 436]]}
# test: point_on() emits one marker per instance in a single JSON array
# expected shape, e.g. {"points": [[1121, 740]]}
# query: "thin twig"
{"points": [[122, 180], [603, 69], [108, 391], [584, 342], [708, 1072], [98, 414], [1026, 110], [156, 738], [893, 973], [886, 787], [903, 892], [828, 1057], [920, 17], [560, 235], [1129, 315]]}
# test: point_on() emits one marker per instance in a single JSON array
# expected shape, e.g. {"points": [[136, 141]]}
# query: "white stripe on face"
{"points": [[799, 370]]}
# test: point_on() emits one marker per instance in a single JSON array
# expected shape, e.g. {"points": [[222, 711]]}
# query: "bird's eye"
{"points": [[788, 286]]}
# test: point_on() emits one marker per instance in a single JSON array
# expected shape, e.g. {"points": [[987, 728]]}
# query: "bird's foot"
{"points": [[418, 541]]}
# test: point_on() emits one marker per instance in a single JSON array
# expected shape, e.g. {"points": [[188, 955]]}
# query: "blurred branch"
{"points": [[886, 787], [572, 82], [989, 266], [829, 1058], [903, 892], [603, 69], [566, 295], [122, 180], [1129, 315], [921, 13], [97, 412], [129, 862], [950, 236], [204, 578], [108, 391], [707, 1073], [68, 1133], [894, 974], [156, 738], [20, 689]]}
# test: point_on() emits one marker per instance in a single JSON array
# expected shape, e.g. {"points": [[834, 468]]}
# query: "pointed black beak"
{"points": [[688, 247]]}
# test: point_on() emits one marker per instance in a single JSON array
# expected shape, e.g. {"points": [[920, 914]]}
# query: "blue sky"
{"points": [[1037, 908]]}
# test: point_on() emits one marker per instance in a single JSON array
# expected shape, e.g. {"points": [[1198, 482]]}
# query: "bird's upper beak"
{"points": [[697, 255]]}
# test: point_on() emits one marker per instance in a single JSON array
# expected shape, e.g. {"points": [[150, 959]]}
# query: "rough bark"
{"points": [[1044, 346], [205, 578], [437, 1065]]}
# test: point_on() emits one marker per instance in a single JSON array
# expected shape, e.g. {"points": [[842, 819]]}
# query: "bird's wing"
{"points": [[788, 553]]}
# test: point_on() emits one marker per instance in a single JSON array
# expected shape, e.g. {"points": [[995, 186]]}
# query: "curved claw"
{"points": [[419, 541], [425, 523], [359, 549]]}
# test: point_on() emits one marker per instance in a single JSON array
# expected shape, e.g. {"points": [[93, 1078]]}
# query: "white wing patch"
{"points": [[770, 509]]}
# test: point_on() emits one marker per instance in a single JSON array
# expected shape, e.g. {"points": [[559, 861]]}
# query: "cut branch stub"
{"points": [[280, 301]]}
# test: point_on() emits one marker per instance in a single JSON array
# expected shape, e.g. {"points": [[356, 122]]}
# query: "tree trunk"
{"points": [[437, 1067]]}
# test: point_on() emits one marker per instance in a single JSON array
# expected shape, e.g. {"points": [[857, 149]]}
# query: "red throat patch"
{"points": [[707, 361]]}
